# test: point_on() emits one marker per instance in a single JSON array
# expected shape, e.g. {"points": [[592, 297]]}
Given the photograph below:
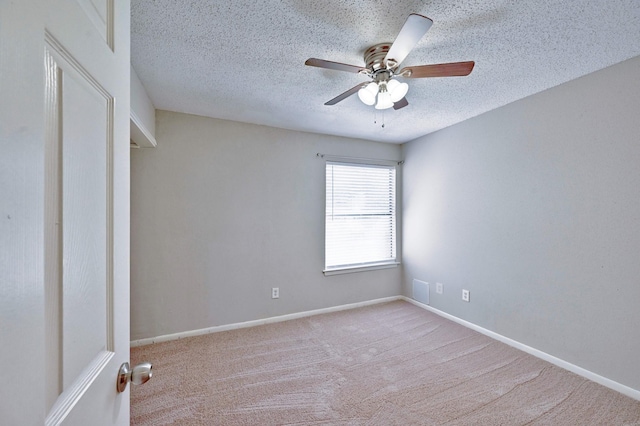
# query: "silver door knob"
{"points": [[140, 374]]}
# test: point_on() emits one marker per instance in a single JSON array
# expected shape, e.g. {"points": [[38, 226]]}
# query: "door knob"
{"points": [[140, 374]]}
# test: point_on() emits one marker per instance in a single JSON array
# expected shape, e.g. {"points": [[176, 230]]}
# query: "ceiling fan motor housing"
{"points": [[374, 56]]}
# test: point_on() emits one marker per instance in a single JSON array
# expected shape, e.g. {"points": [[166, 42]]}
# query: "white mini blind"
{"points": [[360, 222]]}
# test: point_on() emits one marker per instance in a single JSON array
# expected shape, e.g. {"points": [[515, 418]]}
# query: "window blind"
{"points": [[360, 221]]}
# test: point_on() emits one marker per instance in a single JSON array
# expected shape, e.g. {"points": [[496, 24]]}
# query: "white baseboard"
{"points": [[219, 328], [618, 387]]}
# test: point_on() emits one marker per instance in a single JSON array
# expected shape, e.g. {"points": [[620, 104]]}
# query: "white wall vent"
{"points": [[421, 291]]}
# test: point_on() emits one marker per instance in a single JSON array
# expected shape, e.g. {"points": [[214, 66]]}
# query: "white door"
{"points": [[64, 298]]}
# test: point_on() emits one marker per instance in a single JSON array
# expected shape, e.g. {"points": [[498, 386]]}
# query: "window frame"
{"points": [[393, 263]]}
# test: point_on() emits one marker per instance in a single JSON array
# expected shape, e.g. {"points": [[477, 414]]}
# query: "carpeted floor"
{"points": [[387, 364]]}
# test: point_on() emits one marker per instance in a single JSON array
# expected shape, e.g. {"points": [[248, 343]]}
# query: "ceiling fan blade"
{"points": [[345, 95], [453, 69], [321, 63], [413, 30], [401, 103]]}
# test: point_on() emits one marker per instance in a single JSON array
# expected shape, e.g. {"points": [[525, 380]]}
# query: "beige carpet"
{"points": [[388, 364]]}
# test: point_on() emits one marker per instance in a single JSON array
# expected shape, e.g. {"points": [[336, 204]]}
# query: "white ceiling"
{"points": [[244, 60]]}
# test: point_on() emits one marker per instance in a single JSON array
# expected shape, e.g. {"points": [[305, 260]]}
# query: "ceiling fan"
{"points": [[382, 63]]}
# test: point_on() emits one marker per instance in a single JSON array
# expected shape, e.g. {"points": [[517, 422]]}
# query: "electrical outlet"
{"points": [[465, 295], [275, 293], [439, 288]]}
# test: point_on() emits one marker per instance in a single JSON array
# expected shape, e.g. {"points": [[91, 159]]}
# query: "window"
{"points": [[360, 221]]}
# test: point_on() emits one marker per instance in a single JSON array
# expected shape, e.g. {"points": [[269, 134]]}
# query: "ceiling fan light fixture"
{"points": [[397, 90], [368, 93]]}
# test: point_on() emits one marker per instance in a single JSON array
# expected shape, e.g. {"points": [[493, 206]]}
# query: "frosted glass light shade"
{"points": [[384, 100], [368, 93], [397, 90]]}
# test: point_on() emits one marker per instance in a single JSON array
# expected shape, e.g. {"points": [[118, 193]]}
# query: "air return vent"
{"points": [[421, 291]]}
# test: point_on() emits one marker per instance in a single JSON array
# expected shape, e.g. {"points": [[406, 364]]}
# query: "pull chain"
{"points": [[375, 118]]}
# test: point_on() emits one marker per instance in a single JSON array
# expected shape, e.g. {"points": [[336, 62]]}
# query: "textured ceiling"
{"points": [[244, 60]]}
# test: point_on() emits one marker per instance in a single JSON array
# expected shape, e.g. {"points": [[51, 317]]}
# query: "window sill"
{"points": [[352, 269]]}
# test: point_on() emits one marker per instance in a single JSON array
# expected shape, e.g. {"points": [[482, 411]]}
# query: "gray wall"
{"points": [[224, 211], [535, 208]]}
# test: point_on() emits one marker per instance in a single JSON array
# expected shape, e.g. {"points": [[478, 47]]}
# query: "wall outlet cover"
{"points": [[439, 288], [275, 293], [465, 295]]}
